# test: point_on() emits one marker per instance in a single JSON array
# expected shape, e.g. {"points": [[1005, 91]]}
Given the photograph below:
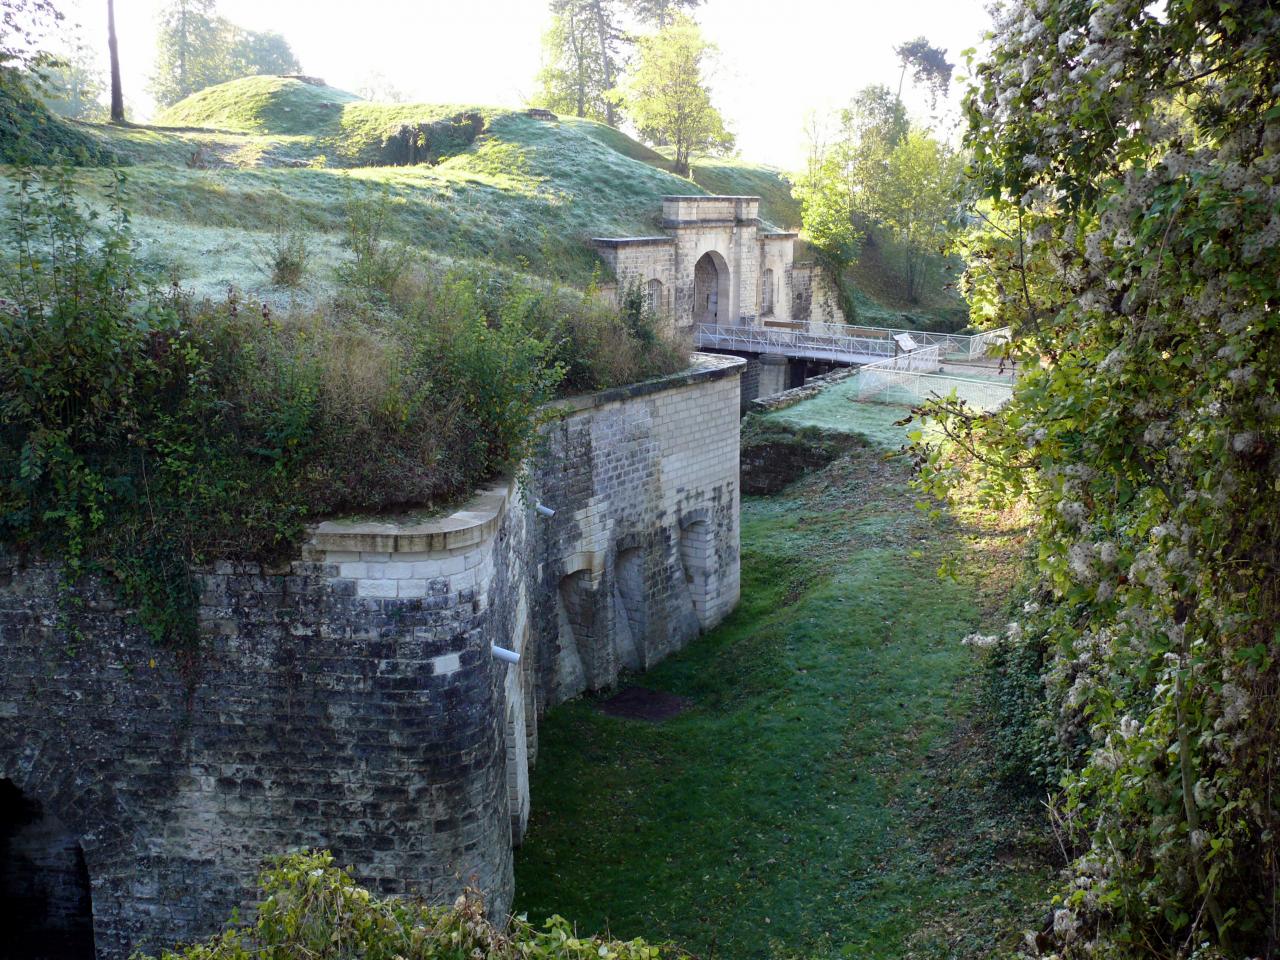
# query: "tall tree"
{"points": [[253, 53], [917, 201], [378, 88], [928, 65], [196, 48], [826, 205], [190, 50], [890, 182], [608, 36], [113, 47], [660, 13], [667, 97], [573, 79], [871, 128]]}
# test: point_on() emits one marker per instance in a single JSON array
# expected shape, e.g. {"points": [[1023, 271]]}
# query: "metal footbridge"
{"points": [[837, 343]]}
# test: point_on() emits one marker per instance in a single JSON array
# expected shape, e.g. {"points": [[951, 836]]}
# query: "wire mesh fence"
{"points": [[954, 345], [908, 389], [912, 378]]}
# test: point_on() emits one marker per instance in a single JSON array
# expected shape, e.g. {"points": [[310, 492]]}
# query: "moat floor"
{"points": [[827, 792]]}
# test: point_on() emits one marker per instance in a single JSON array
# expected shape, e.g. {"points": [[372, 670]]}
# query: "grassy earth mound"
{"points": [[233, 165], [283, 105]]}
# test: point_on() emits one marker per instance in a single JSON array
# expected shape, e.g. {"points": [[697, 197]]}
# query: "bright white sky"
{"points": [[780, 59]]}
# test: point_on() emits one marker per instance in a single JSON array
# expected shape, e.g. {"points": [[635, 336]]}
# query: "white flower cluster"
{"points": [[1235, 706], [1066, 924]]}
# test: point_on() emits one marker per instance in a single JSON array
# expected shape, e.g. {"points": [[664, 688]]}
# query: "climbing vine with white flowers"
{"points": [[1128, 153]]}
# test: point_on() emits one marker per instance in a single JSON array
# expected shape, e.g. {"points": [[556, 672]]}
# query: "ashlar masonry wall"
{"points": [[814, 299], [351, 699]]}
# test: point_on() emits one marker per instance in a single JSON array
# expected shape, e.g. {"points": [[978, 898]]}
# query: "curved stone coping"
{"points": [[481, 516], [703, 367], [463, 529]]}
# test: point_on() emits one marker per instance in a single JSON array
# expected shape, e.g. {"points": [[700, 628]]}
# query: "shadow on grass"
{"points": [[826, 793]]}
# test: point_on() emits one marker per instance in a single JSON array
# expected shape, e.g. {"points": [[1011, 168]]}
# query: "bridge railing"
{"points": [[912, 378], [793, 342], [954, 345]]}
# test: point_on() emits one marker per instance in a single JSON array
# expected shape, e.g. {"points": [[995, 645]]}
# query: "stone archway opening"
{"points": [[697, 550], [629, 608], [46, 907], [711, 289]]}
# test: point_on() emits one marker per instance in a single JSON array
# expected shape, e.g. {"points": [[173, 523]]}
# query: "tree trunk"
{"points": [[117, 90], [182, 52], [680, 165], [602, 29], [580, 64]]}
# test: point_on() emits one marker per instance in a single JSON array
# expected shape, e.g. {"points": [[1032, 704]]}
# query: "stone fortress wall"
{"points": [[716, 263], [352, 699]]}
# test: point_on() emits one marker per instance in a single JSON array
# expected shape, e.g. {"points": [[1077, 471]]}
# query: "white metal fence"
{"points": [[795, 343], [876, 378], [913, 378], [954, 346]]}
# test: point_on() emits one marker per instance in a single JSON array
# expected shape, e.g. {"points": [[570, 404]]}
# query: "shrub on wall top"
{"points": [[142, 433]]}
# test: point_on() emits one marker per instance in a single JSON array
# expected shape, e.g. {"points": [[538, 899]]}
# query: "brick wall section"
{"points": [[726, 229], [319, 718], [813, 297], [350, 699], [776, 251], [640, 261]]}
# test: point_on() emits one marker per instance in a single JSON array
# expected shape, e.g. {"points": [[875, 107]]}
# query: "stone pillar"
{"points": [[773, 375]]}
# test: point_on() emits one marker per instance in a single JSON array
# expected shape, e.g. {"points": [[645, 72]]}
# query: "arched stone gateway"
{"points": [[717, 262], [46, 908], [711, 289]]}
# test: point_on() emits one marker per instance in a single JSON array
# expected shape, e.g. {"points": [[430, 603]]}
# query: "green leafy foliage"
{"points": [[312, 908], [196, 48], [75, 84], [31, 133], [667, 97], [882, 180], [1131, 159], [285, 253], [575, 78], [375, 264], [143, 435], [928, 65]]}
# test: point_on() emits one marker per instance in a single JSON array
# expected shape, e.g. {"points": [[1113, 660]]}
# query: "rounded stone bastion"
{"points": [[378, 695]]}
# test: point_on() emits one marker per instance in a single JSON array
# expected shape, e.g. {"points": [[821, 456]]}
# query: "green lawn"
{"points": [[827, 793]]}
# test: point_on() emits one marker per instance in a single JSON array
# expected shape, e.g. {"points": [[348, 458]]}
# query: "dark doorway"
{"points": [[46, 911], [711, 289]]}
